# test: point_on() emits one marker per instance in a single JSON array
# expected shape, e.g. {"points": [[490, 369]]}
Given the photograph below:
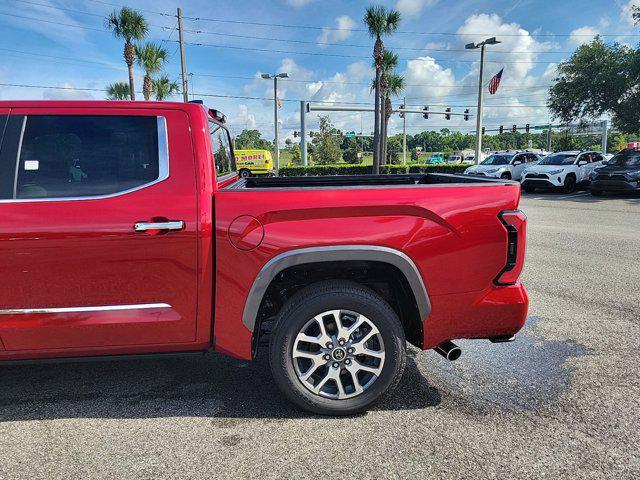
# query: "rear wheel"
{"points": [[505, 176], [337, 348], [569, 184], [244, 173]]}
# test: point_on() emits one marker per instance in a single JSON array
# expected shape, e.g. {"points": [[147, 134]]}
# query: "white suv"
{"points": [[564, 170], [505, 165]]}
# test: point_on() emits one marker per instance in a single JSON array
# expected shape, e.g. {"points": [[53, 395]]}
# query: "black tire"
{"points": [[244, 173], [505, 176], [321, 297], [596, 193], [569, 184], [529, 189]]}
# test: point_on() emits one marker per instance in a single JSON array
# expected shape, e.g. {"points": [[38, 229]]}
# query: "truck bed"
{"points": [[363, 181]]}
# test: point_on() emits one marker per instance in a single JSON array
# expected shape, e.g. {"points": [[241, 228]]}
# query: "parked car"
{"points": [[621, 173], [454, 159], [253, 162], [436, 158], [565, 170], [504, 165], [126, 230]]}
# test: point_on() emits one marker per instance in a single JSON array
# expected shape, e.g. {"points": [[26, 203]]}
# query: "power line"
{"points": [[360, 57], [342, 45], [84, 27], [405, 32], [290, 80]]}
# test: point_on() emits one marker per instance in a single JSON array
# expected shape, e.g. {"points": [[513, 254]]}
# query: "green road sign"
{"points": [[349, 135], [541, 127]]}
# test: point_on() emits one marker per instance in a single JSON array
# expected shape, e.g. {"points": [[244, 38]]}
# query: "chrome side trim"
{"points": [[102, 308], [334, 254], [163, 172]]}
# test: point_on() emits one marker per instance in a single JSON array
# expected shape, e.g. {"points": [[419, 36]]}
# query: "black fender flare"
{"points": [[372, 253]]}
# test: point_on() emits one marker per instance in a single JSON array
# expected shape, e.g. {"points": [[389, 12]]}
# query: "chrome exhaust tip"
{"points": [[449, 350]]}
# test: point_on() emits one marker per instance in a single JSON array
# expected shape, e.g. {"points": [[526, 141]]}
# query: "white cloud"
{"points": [[342, 31], [626, 13], [582, 35], [413, 8]]}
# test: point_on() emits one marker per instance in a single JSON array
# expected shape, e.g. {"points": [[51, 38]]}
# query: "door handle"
{"points": [[146, 226]]}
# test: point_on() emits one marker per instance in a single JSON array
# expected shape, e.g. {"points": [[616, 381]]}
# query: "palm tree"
{"points": [[395, 86], [129, 25], [389, 64], [151, 57], [118, 91], [380, 22], [163, 88]]}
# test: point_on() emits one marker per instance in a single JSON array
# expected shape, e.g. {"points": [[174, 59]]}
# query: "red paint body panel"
{"points": [[61, 254]]}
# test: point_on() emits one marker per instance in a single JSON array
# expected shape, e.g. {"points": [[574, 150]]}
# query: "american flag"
{"points": [[495, 82]]}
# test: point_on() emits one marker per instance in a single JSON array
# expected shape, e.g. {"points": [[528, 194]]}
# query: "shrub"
{"points": [[320, 170]]}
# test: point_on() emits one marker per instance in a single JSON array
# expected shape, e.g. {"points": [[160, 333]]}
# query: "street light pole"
{"points": [[481, 46], [404, 134], [276, 160]]}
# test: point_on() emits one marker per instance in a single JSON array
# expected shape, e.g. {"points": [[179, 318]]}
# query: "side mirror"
{"points": [[582, 163], [517, 162]]}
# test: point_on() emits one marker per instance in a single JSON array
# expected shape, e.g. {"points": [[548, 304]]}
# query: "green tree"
{"points": [[394, 149], [151, 58], [129, 25], [327, 150], [380, 22], [164, 88], [118, 91], [352, 153], [599, 79], [252, 139]]}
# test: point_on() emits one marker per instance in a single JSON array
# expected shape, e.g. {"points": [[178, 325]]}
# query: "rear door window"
{"points": [[75, 156]]}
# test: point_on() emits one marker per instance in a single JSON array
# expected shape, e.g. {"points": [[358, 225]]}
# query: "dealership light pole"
{"points": [[481, 46], [276, 162]]}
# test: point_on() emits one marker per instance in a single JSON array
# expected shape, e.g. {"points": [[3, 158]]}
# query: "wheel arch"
{"points": [[335, 255]]}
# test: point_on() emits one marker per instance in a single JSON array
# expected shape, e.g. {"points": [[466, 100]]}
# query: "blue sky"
{"points": [[63, 43]]}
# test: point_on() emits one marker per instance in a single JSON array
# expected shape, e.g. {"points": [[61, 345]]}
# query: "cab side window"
{"points": [[223, 157], [69, 156]]}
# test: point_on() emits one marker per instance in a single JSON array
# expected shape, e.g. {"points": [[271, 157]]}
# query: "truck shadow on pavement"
{"points": [[215, 386]]}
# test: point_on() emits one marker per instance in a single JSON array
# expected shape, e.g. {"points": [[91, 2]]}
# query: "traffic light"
{"points": [[425, 115], [312, 134], [401, 114], [295, 134], [483, 130], [501, 129], [466, 115], [447, 115], [527, 127], [514, 129]]}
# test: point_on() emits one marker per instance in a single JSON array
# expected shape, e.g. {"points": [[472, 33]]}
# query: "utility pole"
{"points": [[183, 61], [266, 76], [404, 133], [481, 46], [303, 132]]}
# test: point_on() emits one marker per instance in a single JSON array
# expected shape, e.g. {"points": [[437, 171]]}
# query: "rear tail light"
{"points": [[515, 223]]}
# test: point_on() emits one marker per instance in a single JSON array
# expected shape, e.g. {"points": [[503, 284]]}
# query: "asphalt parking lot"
{"points": [[562, 401]]}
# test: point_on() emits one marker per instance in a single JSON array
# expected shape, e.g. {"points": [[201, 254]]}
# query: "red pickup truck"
{"points": [[125, 230]]}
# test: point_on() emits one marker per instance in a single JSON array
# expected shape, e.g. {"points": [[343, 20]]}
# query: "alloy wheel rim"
{"points": [[338, 354]]}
